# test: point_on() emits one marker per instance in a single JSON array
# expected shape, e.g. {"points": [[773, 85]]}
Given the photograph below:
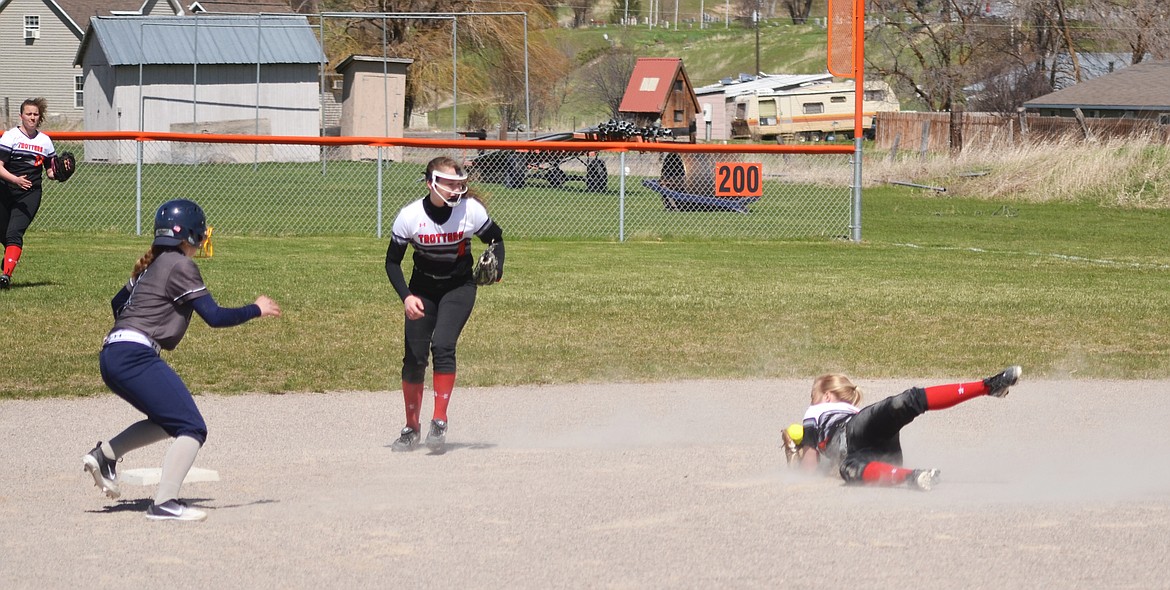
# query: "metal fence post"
{"points": [[856, 234], [138, 188], [622, 197], [379, 196]]}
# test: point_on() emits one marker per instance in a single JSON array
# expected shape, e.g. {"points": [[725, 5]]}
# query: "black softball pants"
{"points": [[17, 210], [437, 332], [873, 434]]}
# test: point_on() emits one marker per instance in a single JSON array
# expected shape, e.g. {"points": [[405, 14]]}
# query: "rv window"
{"points": [[837, 99], [741, 111], [768, 112], [875, 95], [813, 108]]}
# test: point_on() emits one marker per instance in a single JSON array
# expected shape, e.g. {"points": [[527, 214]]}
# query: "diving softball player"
{"points": [[152, 313], [24, 153], [862, 444], [441, 293]]}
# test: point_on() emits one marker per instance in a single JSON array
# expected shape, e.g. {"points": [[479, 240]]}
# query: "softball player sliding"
{"points": [[24, 153], [441, 292], [863, 444], [152, 313]]}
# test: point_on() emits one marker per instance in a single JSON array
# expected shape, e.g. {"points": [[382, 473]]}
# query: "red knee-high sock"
{"points": [[879, 473], [412, 393], [11, 256], [444, 384], [939, 397]]}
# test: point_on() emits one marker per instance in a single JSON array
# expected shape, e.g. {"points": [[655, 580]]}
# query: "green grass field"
{"points": [[939, 287]]}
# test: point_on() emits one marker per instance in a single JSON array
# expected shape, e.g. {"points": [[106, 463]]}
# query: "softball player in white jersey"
{"points": [[441, 293]]}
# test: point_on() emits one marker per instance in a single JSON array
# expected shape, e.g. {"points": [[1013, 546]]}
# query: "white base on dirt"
{"points": [[149, 476]]}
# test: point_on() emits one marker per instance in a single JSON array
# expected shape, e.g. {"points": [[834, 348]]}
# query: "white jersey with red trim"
{"points": [[441, 250], [824, 421], [25, 156]]}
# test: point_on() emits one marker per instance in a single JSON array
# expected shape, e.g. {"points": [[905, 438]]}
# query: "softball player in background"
{"points": [[441, 293], [152, 313], [24, 153], [863, 444]]}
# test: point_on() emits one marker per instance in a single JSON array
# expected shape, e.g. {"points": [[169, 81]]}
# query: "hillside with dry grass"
{"points": [[1126, 173]]}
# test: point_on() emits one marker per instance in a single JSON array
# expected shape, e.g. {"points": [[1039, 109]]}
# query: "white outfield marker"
{"points": [[149, 476]]}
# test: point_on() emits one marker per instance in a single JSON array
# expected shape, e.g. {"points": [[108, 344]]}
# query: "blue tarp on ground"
{"points": [[679, 201]]}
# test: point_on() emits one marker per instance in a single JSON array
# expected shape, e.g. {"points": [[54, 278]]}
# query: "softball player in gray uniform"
{"points": [[441, 293], [152, 313]]}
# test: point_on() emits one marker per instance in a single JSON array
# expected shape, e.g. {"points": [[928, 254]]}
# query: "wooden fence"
{"points": [[925, 132]]}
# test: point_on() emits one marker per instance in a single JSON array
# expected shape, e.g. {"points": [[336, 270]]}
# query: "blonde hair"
{"points": [[144, 262], [837, 385]]}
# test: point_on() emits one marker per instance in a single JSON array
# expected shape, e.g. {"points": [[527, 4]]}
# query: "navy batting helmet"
{"points": [[179, 221]]}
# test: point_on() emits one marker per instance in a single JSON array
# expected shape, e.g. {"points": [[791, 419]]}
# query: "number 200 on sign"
{"points": [[738, 179]]}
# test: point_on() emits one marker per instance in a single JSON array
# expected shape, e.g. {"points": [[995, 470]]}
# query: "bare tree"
{"points": [[798, 10], [1143, 26], [607, 76], [581, 10], [1066, 34], [495, 43], [1017, 60], [926, 48], [1004, 89]]}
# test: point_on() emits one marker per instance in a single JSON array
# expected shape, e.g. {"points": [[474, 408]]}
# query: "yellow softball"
{"points": [[796, 433]]}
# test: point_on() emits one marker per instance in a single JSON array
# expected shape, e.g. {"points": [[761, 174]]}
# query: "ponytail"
{"points": [[144, 262], [837, 385]]}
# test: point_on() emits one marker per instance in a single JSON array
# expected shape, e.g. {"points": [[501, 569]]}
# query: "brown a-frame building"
{"points": [[660, 92]]}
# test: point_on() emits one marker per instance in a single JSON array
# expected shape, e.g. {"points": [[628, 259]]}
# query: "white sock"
{"points": [[136, 436], [178, 461]]}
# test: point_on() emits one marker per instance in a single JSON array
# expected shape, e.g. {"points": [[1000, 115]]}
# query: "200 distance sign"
{"points": [[739, 179]]}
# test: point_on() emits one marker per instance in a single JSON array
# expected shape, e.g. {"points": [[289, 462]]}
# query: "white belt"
{"points": [[131, 336]]}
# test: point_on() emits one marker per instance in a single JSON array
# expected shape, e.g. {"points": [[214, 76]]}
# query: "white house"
{"points": [[38, 42]]}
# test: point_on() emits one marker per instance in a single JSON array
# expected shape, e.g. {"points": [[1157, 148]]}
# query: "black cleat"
{"points": [[998, 385], [407, 441], [103, 470]]}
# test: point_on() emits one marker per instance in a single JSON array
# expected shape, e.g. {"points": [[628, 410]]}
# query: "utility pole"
{"points": [[756, 17]]}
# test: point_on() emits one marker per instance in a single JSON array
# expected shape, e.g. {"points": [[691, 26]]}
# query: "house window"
{"points": [[678, 116], [1164, 119], [78, 92], [813, 108], [678, 85], [32, 26]]}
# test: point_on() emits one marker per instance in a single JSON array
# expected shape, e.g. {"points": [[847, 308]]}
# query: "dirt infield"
{"points": [[1063, 484]]}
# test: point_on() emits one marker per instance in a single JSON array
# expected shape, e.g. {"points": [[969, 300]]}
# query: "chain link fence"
{"points": [[531, 191]]}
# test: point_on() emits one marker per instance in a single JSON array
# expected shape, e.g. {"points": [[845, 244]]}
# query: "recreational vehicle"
{"points": [[810, 113]]}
